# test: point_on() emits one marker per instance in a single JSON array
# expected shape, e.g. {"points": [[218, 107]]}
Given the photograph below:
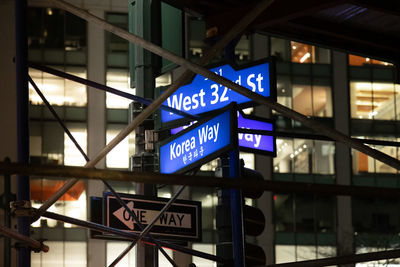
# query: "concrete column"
{"points": [[96, 249], [341, 107], [8, 110], [264, 164]]}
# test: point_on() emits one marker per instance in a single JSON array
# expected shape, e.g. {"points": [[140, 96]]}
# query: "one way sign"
{"points": [[181, 221]]}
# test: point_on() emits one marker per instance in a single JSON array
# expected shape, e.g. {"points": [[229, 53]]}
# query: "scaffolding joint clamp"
{"points": [[22, 208]]}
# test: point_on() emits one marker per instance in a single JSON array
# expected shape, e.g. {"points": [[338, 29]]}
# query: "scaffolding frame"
{"points": [[192, 68]]}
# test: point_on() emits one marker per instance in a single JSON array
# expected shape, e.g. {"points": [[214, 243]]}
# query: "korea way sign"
{"points": [[204, 95], [181, 221], [199, 143]]}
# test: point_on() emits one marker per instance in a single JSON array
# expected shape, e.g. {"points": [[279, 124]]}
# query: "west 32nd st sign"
{"points": [[203, 95]]}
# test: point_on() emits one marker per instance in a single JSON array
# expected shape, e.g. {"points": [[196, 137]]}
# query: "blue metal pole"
{"points": [[21, 54], [236, 209]]}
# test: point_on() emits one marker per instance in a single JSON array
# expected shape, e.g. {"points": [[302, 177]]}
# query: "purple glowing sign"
{"points": [[254, 142], [261, 142]]}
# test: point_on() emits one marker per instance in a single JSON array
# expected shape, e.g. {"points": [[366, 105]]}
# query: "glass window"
{"points": [[162, 260], [292, 253], [373, 215], [114, 249], [304, 214], [363, 163], [207, 248], [304, 156], [306, 96], [361, 61], [305, 53], [56, 37], [280, 49], [71, 204], [118, 157], [197, 34], [58, 91], [242, 49], [61, 254], [374, 100], [118, 79], [72, 156]]}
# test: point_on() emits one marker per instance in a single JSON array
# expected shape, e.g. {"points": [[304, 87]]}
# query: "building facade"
{"points": [[355, 95]]}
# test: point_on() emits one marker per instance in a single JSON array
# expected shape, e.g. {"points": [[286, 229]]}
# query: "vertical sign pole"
{"points": [[21, 55], [236, 209]]}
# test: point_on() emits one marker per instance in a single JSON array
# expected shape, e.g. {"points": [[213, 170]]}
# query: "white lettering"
{"points": [[187, 145], [239, 80], [192, 143], [175, 103], [172, 151], [201, 94], [259, 79], [250, 83], [248, 137], [195, 101], [186, 103], [258, 140], [214, 94], [216, 128], [202, 135]]}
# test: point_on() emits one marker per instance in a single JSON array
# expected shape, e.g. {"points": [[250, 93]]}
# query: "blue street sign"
{"points": [[204, 95], [261, 141], [199, 143]]}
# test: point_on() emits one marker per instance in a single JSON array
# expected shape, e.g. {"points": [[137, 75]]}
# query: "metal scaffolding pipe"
{"points": [[128, 235], [132, 214], [202, 181], [346, 259], [108, 89], [197, 68], [36, 245], [148, 227], [183, 79]]}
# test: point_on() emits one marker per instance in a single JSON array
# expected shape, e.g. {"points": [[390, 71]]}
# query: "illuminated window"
{"points": [[310, 97], [361, 61], [206, 248], [363, 163], [61, 254], [118, 157], [162, 261], [292, 253], [304, 156], [118, 79], [305, 53], [72, 156], [58, 91], [71, 204], [374, 100], [114, 249]]}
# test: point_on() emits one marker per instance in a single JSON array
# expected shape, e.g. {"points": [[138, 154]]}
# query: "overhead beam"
{"points": [[347, 32], [280, 11], [387, 7], [202, 181], [339, 40]]}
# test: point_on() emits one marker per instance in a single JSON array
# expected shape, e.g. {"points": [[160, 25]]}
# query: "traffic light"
{"points": [[253, 220]]}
